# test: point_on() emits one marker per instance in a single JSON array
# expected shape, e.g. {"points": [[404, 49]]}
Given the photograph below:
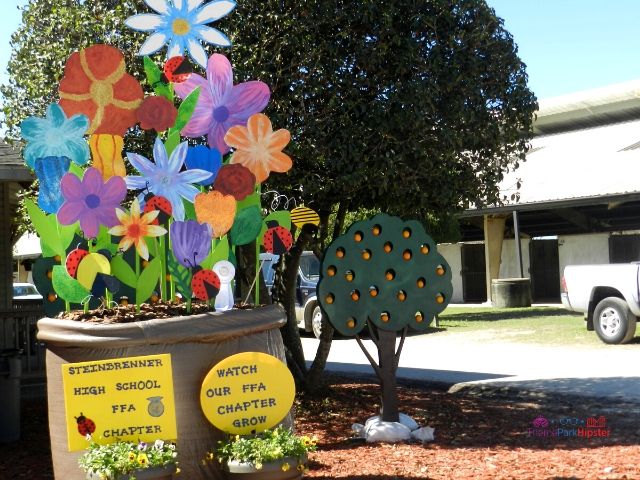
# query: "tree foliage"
{"points": [[412, 107]]}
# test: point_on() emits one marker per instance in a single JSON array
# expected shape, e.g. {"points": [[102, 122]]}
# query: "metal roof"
{"points": [[12, 167], [582, 173]]}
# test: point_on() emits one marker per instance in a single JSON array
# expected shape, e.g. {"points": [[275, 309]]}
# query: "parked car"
{"points": [[607, 295], [308, 311], [25, 291]]}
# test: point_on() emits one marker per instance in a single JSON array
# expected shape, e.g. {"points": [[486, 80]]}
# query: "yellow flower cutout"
{"points": [[133, 228], [285, 467], [258, 147], [143, 459]]}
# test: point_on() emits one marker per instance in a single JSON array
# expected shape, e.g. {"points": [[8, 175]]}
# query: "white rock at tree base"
{"points": [[405, 420], [358, 429], [379, 431], [424, 434]]}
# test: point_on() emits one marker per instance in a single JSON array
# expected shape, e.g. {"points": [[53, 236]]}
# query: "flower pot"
{"points": [[196, 343], [235, 470], [151, 473]]}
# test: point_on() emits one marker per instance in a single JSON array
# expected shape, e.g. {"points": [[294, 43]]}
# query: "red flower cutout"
{"points": [[156, 113], [236, 180]]}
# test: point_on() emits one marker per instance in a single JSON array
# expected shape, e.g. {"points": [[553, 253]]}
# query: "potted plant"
{"points": [[276, 454], [129, 461], [126, 232]]}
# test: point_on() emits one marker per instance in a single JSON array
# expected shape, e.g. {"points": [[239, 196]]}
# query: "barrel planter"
{"points": [[511, 292], [196, 343], [269, 471]]}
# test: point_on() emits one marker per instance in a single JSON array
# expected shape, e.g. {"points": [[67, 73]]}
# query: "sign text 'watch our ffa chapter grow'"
{"points": [[123, 399], [247, 392]]}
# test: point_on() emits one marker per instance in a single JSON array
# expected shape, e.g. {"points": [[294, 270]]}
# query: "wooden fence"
{"points": [[18, 328]]}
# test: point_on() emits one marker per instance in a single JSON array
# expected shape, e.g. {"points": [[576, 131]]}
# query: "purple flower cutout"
{"points": [[221, 104], [190, 242], [91, 201]]}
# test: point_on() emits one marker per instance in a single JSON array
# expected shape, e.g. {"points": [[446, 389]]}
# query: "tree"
{"points": [[387, 275], [415, 108], [412, 107]]}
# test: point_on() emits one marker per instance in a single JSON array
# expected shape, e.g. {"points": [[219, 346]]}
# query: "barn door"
{"points": [[474, 281], [544, 268], [624, 248]]}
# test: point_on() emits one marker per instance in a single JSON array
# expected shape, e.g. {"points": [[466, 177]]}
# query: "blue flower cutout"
{"points": [[204, 158], [164, 176], [182, 24], [55, 136]]}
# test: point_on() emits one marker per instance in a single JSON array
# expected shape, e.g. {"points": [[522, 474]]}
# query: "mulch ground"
{"points": [[479, 434]]}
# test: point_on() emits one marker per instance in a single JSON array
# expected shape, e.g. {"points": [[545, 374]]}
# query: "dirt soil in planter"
{"points": [[479, 434], [148, 311]]}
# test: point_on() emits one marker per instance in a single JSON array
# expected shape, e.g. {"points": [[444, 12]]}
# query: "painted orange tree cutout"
{"points": [[384, 275]]}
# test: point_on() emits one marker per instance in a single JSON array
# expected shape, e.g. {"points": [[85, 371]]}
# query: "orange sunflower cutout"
{"points": [[133, 228], [96, 84], [258, 147]]}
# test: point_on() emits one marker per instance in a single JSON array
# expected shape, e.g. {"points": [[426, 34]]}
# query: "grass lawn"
{"points": [[546, 325]]}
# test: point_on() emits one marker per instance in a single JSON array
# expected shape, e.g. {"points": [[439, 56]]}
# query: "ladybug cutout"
{"points": [[277, 239], [177, 69], [85, 425], [73, 260], [205, 284], [160, 203]]}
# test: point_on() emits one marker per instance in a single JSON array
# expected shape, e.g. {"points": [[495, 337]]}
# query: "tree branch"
{"points": [[399, 351], [373, 363]]}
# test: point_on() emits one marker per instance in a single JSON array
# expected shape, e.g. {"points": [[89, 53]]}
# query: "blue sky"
{"points": [[567, 45]]}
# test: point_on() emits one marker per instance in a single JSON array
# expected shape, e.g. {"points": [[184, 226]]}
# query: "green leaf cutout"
{"points": [[181, 276], [148, 281], [252, 200], [152, 245], [185, 110], [47, 229], [246, 226], [103, 241], [123, 271], [283, 217], [173, 139], [219, 251], [67, 287]]}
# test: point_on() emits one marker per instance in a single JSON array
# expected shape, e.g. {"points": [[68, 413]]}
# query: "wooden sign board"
{"points": [[247, 392], [119, 399]]}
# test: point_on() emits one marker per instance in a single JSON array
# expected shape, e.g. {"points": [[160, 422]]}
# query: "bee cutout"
{"points": [[85, 425], [300, 216]]}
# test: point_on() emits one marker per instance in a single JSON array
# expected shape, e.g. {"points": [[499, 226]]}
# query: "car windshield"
{"points": [[21, 290], [310, 267]]}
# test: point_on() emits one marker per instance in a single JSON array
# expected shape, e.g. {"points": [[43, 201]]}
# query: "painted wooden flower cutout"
{"points": [[259, 148]]}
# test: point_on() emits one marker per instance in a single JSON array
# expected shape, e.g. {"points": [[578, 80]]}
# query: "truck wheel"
{"points": [[613, 321], [316, 322]]}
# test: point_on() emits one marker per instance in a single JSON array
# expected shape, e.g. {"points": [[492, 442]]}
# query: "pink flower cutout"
{"points": [[221, 104]]}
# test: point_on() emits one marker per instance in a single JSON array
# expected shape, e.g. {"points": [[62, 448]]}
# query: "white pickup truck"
{"points": [[608, 295]]}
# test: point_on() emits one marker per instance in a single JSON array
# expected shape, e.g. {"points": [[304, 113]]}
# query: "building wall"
{"points": [[451, 253], [583, 249], [572, 250]]}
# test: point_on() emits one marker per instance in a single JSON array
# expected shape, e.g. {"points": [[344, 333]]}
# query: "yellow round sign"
{"points": [[247, 392]]}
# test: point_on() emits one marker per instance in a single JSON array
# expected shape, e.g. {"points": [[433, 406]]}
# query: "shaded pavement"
{"points": [[467, 361]]}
